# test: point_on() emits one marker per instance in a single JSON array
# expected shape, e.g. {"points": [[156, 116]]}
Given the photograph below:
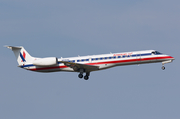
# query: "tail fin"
{"points": [[21, 54]]}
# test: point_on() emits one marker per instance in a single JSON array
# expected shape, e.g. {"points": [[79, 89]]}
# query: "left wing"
{"points": [[77, 66]]}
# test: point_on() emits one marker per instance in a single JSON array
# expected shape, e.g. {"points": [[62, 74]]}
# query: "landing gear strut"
{"points": [[165, 62]]}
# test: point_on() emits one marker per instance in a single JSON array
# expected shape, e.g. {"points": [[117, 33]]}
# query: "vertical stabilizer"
{"points": [[22, 56]]}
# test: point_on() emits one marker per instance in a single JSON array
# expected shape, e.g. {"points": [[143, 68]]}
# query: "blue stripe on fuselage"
{"points": [[145, 54], [29, 65]]}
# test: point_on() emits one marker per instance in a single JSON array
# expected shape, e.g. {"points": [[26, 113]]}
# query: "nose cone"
{"points": [[171, 57]]}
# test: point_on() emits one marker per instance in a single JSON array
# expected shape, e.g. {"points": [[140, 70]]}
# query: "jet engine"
{"points": [[49, 61]]}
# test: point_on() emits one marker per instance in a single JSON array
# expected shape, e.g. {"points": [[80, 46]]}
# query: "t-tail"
{"points": [[22, 56]]}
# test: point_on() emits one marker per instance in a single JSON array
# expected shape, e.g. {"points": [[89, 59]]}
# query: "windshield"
{"points": [[156, 52]]}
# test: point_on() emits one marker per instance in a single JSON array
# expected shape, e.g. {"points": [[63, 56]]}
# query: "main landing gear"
{"points": [[86, 77]]}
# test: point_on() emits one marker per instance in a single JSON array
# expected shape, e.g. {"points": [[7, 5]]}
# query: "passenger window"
{"points": [[114, 57], [87, 59], [119, 56], [78, 60], [133, 55]]}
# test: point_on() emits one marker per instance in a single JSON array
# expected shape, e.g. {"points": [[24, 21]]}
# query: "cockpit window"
{"points": [[153, 52], [156, 52]]}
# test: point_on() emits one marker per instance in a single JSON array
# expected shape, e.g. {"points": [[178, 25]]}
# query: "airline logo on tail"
{"points": [[23, 56]]}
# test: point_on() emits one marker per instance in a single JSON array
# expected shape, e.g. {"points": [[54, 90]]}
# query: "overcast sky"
{"points": [[65, 28]]}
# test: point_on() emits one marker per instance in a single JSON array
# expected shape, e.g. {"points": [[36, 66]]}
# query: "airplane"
{"points": [[87, 64]]}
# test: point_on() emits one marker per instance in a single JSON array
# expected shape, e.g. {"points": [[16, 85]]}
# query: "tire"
{"points": [[86, 77], [80, 75]]}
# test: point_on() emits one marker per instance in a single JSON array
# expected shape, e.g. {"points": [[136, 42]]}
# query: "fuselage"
{"points": [[105, 61]]}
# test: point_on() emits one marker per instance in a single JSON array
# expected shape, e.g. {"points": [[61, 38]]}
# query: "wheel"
{"points": [[80, 75], [86, 77], [163, 68]]}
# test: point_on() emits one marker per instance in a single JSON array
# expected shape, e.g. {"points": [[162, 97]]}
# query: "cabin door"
{"points": [[138, 57], [90, 60]]}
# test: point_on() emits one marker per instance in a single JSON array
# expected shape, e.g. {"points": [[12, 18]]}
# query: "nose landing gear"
{"points": [[165, 62], [163, 67]]}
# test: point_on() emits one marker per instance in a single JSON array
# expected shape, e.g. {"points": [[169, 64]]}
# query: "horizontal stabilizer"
{"points": [[15, 47]]}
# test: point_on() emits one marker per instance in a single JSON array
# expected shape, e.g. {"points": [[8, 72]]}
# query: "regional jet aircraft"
{"points": [[87, 64]]}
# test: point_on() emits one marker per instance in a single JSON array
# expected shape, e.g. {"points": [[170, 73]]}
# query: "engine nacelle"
{"points": [[49, 61]]}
